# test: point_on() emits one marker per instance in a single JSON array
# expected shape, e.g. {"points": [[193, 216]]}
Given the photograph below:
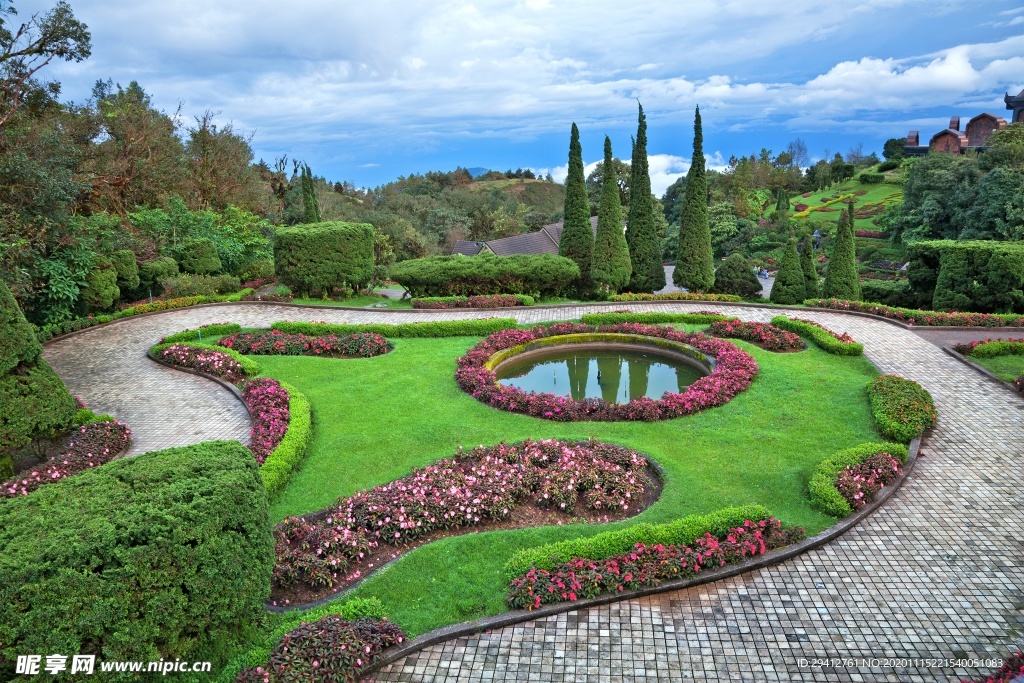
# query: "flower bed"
{"points": [[837, 481], [472, 489], [646, 565], [698, 318], [902, 408], [734, 371], [922, 318], [766, 336], [89, 446], [203, 359], [479, 301], [1011, 670], [431, 329], [278, 343], [991, 348], [838, 344], [674, 296], [1019, 383], [267, 402], [329, 649], [858, 484]]}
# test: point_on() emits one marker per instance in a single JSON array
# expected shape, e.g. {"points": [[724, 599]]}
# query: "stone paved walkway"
{"points": [[938, 573]]}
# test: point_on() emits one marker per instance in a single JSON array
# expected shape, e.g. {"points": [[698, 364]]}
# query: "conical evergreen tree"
{"points": [[807, 265], [311, 209], [642, 235], [695, 268], [841, 280], [789, 287], [577, 241], [610, 267]]}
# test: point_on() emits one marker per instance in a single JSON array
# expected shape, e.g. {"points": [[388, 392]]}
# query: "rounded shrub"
{"points": [[101, 291], [321, 256], [162, 556], [127, 269], [199, 257], [152, 272], [486, 274], [736, 276]]}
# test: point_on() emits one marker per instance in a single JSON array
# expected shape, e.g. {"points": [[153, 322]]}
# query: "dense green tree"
{"points": [[790, 286], [841, 279], [893, 148], [310, 206], [736, 276], [221, 173], [610, 267], [807, 265], [595, 183], [577, 241], [101, 290], [641, 236], [694, 265]]}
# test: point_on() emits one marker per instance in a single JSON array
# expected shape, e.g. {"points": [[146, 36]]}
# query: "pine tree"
{"points": [[610, 267], [311, 208], [736, 276], [841, 280], [695, 265], [807, 265], [577, 241], [642, 236], [789, 287]]}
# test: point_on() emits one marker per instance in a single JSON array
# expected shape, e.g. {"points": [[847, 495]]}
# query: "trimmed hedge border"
{"points": [[477, 301], [250, 367], [474, 327], [914, 315], [700, 318], [823, 338], [825, 497], [213, 330], [674, 296], [902, 408], [470, 628]]}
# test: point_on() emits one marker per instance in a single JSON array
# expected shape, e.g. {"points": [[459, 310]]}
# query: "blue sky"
{"points": [[369, 91]]}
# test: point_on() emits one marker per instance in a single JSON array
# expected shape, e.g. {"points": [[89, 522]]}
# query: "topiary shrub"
{"points": [[321, 256], [869, 178], [161, 556], [199, 257], [152, 272], [736, 276], [841, 280], [127, 269], [485, 274], [902, 408], [790, 286], [18, 342], [101, 290]]}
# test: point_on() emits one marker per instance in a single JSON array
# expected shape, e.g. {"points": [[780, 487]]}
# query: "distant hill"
{"points": [[477, 171], [545, 198]]}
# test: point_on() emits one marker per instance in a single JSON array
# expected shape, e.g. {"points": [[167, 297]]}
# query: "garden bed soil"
{"points": [[525, 516]]}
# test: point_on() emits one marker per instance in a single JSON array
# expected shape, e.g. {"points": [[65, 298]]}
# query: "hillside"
{"points": [[543, 197]]}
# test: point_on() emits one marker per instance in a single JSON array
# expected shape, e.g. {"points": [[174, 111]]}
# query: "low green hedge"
{"points": [[250, 367], [683, 531], [902, 408], [441, 328], [994, 349], [824, 495], [208, 330], [819, 336], [651, 318], [352, 609], [674, 296], [161, 556], [285, 459]]}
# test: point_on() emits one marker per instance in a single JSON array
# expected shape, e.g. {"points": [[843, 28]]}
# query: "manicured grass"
{"points": [[874, 194], [1007, 368], [375, 419]]}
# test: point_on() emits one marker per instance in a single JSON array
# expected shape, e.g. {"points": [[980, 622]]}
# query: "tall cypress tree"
{"points": [[610, 267], [807, 265], [642, 236], [577, 241], [789, 287], [695, 269], [841, 280], [311, 209]]}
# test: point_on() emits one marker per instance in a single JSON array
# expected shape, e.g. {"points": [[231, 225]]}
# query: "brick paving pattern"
{"points": [[938, 573]]}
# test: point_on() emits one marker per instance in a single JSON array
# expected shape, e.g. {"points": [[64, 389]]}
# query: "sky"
{"points": [[370, 91]]}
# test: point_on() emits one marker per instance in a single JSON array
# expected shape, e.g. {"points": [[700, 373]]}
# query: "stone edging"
{"points": [[983, 370], [527, 308], [470, 628]]}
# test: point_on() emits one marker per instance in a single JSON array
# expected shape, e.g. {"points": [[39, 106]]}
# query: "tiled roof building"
{"points": [[974, 136], [544, 241]]}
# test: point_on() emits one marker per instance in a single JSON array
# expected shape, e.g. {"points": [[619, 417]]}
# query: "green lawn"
{"points": [[882, 192], [1007, 368], [375, 419]]}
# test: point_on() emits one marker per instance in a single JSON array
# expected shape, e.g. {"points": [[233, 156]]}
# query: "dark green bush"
{"points": [[736, 276], [890, 165], [683, 531], [322, 256], [869, 178], [256, 270], [902, 408], [824, 495], [983, 276], [534, 274], [199, 257], [152, 272], [790, 287], [101, 291], [127, 269], [888, 292], [18, 342], [442, 328], [34, 404], [650, 318], [164, 555], [200, 285]]}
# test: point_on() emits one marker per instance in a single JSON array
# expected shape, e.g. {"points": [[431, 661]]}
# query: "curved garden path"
{"points": [[937, 573]]}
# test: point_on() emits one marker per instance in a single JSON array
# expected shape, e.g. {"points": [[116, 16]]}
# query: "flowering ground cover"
{"points": [[403, 411], [766, 336], [278, 343]]}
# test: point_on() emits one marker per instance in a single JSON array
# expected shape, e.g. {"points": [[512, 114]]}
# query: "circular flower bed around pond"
{"points": [[733, 372], [532, 483]]}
